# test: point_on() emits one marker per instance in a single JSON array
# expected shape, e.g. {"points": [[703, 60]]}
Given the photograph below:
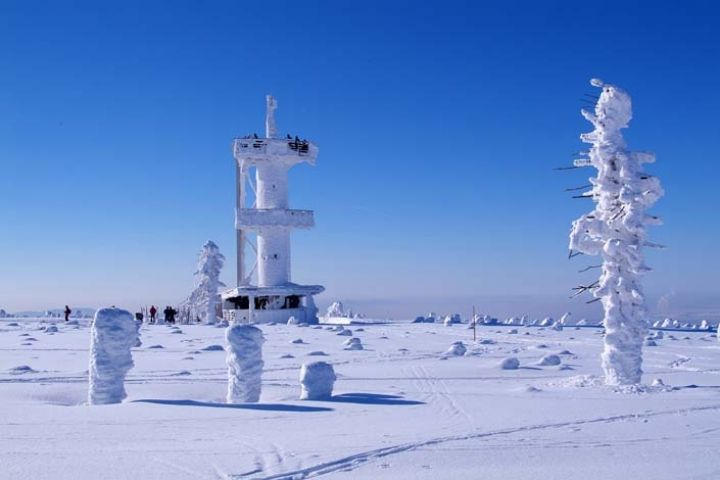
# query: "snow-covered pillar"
{"points": [[616, 231], [112, 334], [245, 363]]}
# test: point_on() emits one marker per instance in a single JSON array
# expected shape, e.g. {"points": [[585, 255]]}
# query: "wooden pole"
{"points": [[474, 325]]}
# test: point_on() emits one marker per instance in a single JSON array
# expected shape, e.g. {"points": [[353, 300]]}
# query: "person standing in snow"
{"points": [[153, 312], [67, 313]]}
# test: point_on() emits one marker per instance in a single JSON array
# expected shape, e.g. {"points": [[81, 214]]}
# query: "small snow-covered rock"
{"points": [[353, 343], [513, 331], [649, 342], [213, 348], [550, 361], [51, 329], [659, 335], [317, 353], [293, 321], [21, 369], [457, 349], [297, 340], [510, 363], [317, 380], [558, 327], [657, 382], [345, 333]]}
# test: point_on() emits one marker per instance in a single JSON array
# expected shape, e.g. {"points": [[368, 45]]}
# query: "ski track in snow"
{"points": [[351, 462]]}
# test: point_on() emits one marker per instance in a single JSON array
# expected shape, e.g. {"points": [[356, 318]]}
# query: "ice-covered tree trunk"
{"points": [[205, 299], [112, 334], [616, 231], [245, 363]]}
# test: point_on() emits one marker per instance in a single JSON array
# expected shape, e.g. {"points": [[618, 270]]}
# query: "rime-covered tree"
{"points": [[616, 231], [204, 299]]}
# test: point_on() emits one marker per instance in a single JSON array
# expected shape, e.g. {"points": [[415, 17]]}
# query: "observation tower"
{"points": [[263, 221]]}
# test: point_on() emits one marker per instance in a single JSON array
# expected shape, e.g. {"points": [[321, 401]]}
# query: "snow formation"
{"points": [[317, 380], [245, 363], [205, 299], [616, 230], [113, 333]]}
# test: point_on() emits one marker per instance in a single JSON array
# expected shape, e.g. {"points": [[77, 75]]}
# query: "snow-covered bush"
{"points": [[245, 363], [616, 230], [112, 334], [337, 309], [317, 380], [205, 299]]}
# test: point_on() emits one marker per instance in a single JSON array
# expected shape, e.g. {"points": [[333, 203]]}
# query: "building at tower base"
{"points": [[262, 177]]}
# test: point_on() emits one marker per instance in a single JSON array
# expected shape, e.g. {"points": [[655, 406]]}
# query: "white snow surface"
{"points": [[397, 412], [245, 363], [113, 333]]}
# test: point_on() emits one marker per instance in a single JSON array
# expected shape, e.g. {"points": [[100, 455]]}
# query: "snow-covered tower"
{"points": [[263, 213]]}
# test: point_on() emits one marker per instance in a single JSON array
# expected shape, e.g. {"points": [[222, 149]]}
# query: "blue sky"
{"points": [[439, 124]]}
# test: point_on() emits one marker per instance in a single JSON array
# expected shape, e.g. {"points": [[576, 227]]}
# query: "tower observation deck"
{"points": [[263, 222]]}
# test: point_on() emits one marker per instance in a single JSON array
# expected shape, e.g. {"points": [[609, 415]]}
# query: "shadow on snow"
{"points": [[373, 399], [273, 407]]}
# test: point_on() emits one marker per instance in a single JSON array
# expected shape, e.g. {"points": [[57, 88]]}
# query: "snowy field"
{"points": [[401, 408]]}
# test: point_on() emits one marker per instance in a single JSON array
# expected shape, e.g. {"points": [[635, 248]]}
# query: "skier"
{"points": [[153, 311], [67, 313]]}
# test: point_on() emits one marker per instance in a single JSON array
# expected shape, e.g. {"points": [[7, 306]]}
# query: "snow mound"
{"points": [[21, 369], [353, 343], [245, 363], [213, 348], [317, 380], [649, 342], [457, 349], [510, 363], [345, 333], [113, 333], [659, 335], [293, 321], [550, 361], [51, 329], [317, 353]]}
